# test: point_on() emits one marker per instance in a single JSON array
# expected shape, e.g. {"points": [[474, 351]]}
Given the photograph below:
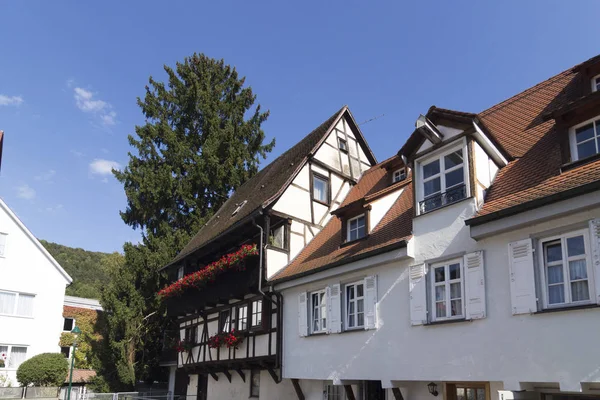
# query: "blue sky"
{"points": [[70, 73]]}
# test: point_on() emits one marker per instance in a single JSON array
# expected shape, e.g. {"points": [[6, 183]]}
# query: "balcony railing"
{"points": [[452, 195]]}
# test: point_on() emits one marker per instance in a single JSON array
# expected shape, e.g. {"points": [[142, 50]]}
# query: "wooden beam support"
{"points": [[298, 389], [214, 376], [273, 374], [349, 392], [397, 394], [241, 374], [227, 375]]}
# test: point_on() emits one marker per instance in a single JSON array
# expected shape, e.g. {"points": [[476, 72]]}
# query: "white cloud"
{"points": [[10, 100], [103, 167], [46, 176], [25, 192], [86, 102], [77, 153]]}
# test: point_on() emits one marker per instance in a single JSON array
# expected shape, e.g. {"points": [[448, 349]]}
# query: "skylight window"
{"points": [[399, 175], [239, 207], [596, 83]]}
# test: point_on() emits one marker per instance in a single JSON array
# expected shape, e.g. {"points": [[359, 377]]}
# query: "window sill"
{"points": [[567, 308], [348, 243], [317, 334], [447, 321], [580, 162], [357, 329], [321, 202], [444, 206], [279, 249]]}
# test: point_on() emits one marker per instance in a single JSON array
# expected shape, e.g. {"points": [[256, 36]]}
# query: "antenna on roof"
{"points": [[372, 119]]}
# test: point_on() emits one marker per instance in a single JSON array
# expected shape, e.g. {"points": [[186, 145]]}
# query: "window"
{"points": [[242, 317], [225, 322], [447, 291], [191, 334], [68, 324], [278, 237], [399, 175], [443, 181], [12, 356], [566, 269], [335, 392], [17, 304], [318, 312], [596, 83], [3, 237], [355, 305], [66, 350], [320, 188], [585, 139], [257, 313], [356, 228], [343, 145], [254, 383], [180, 273], [470, 391]]}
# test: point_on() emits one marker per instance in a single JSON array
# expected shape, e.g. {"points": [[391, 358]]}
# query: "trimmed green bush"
{"points": [[46, 369]]}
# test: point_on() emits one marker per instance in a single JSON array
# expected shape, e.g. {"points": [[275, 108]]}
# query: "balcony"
{"points": [[452, 195]]}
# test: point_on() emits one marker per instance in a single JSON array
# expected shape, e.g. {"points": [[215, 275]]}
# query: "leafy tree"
{"points": [[202, 139], [46, 369]]}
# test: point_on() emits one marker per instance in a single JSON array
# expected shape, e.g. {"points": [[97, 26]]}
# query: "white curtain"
{"points": [[579, 290], [17, 356], [25, 305], [7, 303]]}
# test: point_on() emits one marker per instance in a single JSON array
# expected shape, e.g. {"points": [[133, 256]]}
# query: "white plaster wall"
{"points": [[294, 202], [276, 260], [240, 390], [25, 268], [381, 206], [556, 347], [448, 133]]}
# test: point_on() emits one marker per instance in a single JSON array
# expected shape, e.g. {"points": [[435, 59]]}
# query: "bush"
{"points": [[47, 369]]}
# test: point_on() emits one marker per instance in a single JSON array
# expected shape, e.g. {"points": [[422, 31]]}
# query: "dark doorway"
{"points": [[373, 390], [181, 384], [202, 387]]}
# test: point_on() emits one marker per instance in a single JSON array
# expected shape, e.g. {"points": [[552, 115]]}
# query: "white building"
{"points": [[475, 277], [32, 290], [279, 210]]}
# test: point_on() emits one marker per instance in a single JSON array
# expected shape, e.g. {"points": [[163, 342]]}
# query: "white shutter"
{"points": [[334, 309], [328, 309], [474, 285], [522, 278], [418, 294], [595, 240], [370, 301], [302, 314]]}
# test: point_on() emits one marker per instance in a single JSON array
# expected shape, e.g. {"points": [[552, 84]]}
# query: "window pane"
{"points": [[584, 133], [432, 187], [350, 291], [553, 252], [454, 178], [7, 303], [440, 309], [470, 394], [351, 307], [68, 324], [480, 394], [580, 291], [586, 149], [555, 274], [320, 189], [431, 169], [359, 290], [351, 321], [278, 237], [360, 305], [455, 292], [460, 394], [452, 160], [577, 270], [361, 232], [454, 271], [353, 224], [440, 293], [17, 356], [25, 305], [456, 307], [556, 294], [361, 319], [575, 246], [440, 274]]}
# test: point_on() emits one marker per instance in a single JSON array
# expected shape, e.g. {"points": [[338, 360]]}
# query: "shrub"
{"points": [[47, 369]]}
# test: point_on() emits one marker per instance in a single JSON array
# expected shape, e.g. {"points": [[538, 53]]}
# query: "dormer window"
{"points": [[343, 145], [596, 83], [585, 139], [356, 228], [442, 180], [399, 175]]}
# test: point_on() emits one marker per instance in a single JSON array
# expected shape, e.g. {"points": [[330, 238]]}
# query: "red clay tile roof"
{"points": [[394, 228], [81, 375]]}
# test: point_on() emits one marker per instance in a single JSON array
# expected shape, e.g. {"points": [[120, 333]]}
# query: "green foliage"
{"points": [[85, 267], [46, 369], [202, 139], [88, 353]]}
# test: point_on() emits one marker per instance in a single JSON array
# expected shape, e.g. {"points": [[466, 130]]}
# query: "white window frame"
{"points": [[70, 351], [348, 230], [439, 155], [566, 278], [594, 84], [17, 299], [573, 140], [242, 317], [343, 147], [64, 323], [3, 246], [322, 310], [317, 176], [447, 282], [9, 353], [355, 300], [399, 175], [254, 322]]}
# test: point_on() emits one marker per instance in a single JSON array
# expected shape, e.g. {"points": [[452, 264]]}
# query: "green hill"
{"points": [[87, 268]]}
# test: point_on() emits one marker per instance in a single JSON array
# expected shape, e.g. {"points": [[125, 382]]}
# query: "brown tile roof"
{"points": [[394, 228], [259, 190], [81, 375]]}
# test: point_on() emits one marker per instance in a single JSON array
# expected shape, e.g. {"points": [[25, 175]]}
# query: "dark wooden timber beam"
{"points": [[349, 392], [397, 393], [214, 376], [241, 374], [227, 375], [273, 374], [298, 389]]}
